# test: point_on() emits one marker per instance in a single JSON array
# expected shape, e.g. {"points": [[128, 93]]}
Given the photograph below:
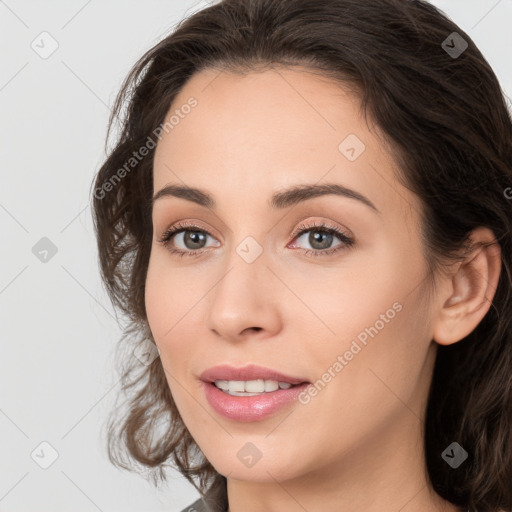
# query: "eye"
{"points": [[321, 237], [193, 239]]}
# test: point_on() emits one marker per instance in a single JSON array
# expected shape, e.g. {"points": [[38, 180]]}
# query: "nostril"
{"points": [[256, 329]]}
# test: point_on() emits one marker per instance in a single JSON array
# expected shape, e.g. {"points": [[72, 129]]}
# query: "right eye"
{"points": [[191, 237]]}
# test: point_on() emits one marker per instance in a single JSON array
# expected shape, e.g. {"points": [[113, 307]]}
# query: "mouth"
{"points": [[251, 380], [251, 387], [251, 393], [251, 374]]}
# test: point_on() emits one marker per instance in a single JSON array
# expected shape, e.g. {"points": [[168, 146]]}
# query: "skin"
{"points": [[357, 445]]}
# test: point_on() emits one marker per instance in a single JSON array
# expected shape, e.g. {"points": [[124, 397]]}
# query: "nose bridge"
{"points": [[242, 296], [246, 275]]}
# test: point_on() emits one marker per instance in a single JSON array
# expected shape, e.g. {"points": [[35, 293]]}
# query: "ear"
{"points": [[468, 290]]}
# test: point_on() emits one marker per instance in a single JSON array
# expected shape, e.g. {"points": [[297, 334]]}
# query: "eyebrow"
{"points": [[279, 200]]}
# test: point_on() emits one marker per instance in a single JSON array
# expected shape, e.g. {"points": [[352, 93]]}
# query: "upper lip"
{"points": [[249, 372]]}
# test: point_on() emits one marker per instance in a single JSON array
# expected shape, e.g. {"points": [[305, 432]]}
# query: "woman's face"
{"points": [[346, 313]]}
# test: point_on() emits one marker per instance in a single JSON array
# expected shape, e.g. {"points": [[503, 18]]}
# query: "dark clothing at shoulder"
{"points": [[215, 499], [197, 506]]}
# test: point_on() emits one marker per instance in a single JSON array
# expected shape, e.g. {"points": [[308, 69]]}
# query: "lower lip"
{"points": [[250, 408]]}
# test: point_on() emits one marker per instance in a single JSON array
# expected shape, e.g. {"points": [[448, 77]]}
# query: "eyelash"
{"points": [[178, 228]]}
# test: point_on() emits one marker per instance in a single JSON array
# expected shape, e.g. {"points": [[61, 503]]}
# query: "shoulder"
{"points": [[213, 500], [197, 506]]}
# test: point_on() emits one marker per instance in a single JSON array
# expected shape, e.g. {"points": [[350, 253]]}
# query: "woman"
{"points": [[307, 219]]}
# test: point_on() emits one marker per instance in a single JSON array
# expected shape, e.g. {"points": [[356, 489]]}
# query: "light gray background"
{"points": [[58, 328]]}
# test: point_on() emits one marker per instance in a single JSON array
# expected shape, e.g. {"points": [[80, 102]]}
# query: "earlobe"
{"points": [[471, 290]]}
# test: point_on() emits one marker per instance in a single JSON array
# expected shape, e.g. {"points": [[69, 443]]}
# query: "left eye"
{"points": [[321, 238]]}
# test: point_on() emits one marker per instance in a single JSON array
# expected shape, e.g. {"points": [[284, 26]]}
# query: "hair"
{"points": [[447, 121]]}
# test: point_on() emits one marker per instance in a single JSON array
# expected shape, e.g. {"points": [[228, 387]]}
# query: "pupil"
{"points": [[195, 237], [316, 237]]}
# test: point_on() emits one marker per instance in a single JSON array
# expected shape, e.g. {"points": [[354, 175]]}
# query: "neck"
{"points": [[384, 472]]}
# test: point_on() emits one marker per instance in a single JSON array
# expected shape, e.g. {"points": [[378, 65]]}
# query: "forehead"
{"points": [[285, 110], [268, 130]]}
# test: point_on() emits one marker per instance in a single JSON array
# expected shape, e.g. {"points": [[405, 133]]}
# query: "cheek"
{"points": [[165, 300], [156, 299], [353, 302], [378, 360], [376, 320], [172, 300]]}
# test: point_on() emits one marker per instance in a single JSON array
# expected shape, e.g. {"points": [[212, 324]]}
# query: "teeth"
{"points": [[254, 386], [236, 386], [222, 384], [271, 385], [250, 387]]}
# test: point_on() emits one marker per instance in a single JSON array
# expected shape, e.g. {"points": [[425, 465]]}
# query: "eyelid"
{"points": [[321, 224], [180, 226]]}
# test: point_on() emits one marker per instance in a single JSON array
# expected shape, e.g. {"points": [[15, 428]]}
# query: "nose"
{"points": [[245, 301]]}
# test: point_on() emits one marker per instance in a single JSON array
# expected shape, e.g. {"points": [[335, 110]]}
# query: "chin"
{"points": [[254, 462]]}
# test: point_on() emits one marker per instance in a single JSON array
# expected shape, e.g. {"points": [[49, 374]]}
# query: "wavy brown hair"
{"points": [[447, 120]]}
